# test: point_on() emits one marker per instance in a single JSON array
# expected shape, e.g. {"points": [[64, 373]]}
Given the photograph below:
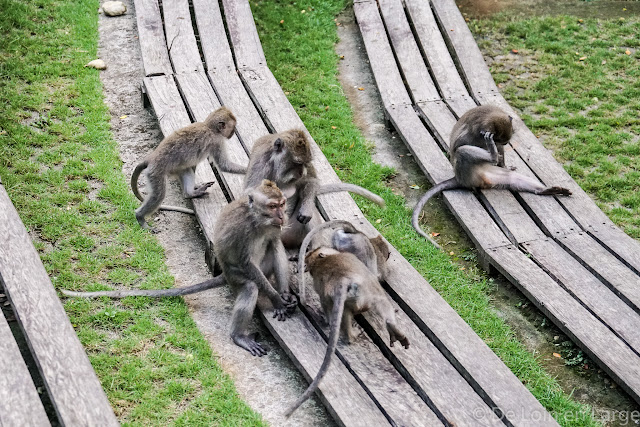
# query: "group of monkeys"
{"points": [[276, 212]]}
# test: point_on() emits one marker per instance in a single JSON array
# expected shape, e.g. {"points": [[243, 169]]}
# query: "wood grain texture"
{"points": [[594, 337], [213, 37], [72, 384], [246, 44], [181, 40], [155, 57], [20, 403], [455, 31]]}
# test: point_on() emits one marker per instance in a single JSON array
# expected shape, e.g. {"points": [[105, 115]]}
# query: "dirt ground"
{"points": [[270, 383]]}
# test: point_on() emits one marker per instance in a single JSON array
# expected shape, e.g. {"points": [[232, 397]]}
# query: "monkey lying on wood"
{"points": [[285, 158], [346, 287], [249, 249], [178, 154], [476, 151], [372, 252]]}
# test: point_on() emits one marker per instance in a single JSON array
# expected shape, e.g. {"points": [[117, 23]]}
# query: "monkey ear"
{"points": [[277, 144], [250, 201], [220, 126], [511, 119], [322, 255]]}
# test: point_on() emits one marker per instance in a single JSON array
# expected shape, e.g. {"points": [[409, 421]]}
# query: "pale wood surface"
{"points": [[181, 40], [153, 46]]}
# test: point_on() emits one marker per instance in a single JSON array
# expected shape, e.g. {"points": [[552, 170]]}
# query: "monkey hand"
{"points": [[404, 341], [304, 217], [290, 302]]}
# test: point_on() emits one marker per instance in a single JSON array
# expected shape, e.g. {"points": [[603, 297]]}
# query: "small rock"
{"points": [[114, 8], [97, 64]]}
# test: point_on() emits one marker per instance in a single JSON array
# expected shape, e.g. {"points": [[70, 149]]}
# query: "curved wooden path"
{"points": [[563, 253], [449, 376]]}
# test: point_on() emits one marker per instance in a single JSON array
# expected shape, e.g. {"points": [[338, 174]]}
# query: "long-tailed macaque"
{"points": [[249, 249], [346, 287], [178, 154], [285, 158], [476, 150]]}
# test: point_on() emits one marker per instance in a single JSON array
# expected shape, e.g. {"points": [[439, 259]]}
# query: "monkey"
{"points": [[286, 159], [248, 248], [475, 157], [178, 154], [346, 287], [372, 252]]}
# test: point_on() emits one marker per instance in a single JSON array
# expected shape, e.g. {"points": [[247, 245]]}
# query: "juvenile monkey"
{"points": [[178, 154], [475, 156], [285, 158], [248, 247], [346, 287]]}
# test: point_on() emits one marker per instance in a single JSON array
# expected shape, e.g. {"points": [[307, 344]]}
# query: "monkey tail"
{"points": [[449, 184], [336, 316], [303, 251], [155, 293], [344, 186], [134, 187]]}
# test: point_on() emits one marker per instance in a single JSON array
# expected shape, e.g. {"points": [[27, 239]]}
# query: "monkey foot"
{"points": [[200, 190], [555, 190], [302, 218], [404, 341], [248, 342]]}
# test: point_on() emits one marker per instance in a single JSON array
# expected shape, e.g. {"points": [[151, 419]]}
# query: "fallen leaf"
{"points": [[360, 88], [556, 355], [334, 127], [581, 20], [303, 11], [415, 187], [352, 144], [341, 56], [98, 64], [124, 117], [451, 253], [434, 234], [282, 21], [514, 50], [627, 52], [603, 62], [582, 58], [378, 221], [326, 108], [624, 8]]}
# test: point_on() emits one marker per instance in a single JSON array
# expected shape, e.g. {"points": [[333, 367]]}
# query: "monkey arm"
{"points": [[253, 273], [491, 146], [307, 190], [501, 155], [221, 158]]}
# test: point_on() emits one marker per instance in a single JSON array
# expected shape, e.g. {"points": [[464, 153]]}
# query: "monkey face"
{"points": [[276, 211]]}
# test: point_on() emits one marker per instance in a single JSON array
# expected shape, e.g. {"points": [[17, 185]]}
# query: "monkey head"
{"points": [[313, 257], [294, 151], [222, 121], [502, 127], [268, 204]]}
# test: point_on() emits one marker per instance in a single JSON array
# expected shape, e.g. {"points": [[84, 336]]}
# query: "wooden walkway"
{"points": [[563, 253], [448, 376], [70, 382]]}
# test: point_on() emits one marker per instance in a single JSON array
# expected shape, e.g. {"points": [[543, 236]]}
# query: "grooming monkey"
{"points": [[285, 158], [346, 287], [248, 247], [372, 252], [476, 151], [178, 154]]}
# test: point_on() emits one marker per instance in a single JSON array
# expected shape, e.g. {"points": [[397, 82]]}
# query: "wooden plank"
{"points": [[439, 119], [247, 48], [407, 53], [201, 100], [181, 40], [213, 37], [457, 34], [20, 403], [608, 269], [385, 70], [588, 289], [398, 400], [153, 45], [344, 398], [594, 337], [72, 384]]}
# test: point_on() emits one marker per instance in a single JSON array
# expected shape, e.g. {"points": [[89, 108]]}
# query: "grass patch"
{"points": [[60, 166], [300, 52], [576, 83]]}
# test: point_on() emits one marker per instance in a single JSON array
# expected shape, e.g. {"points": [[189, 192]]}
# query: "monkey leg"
{"points": [[241, 317], [158, 190], [346, 326], [510, 180], [188, 181]]}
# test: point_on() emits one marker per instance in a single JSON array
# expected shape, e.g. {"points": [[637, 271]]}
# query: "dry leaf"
{"points": [[124, 117], [603, 62], [514, 50], [326, 108], [415, 187], [378, 221], [360, 88], [627, 52], [282, 21], [434, 234], [556, 355], [98, 64], [451, 253], [334, 127], [581, 20], [303, 11], [341, 56], [582, 58]]}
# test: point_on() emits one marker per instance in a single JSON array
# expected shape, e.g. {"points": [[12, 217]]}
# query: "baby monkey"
{"points": [[476, 151], [346, 287], [178, 154]]}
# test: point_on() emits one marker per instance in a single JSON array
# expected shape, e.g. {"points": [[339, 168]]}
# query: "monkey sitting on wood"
{"points": [[178, 154], [372, 252], [476, 151], [285, 158], [346, 287], [249, 249]]}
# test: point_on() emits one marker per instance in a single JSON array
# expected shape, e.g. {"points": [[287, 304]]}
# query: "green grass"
{"points": [[60, 166], [580, 95], [301, 54]]}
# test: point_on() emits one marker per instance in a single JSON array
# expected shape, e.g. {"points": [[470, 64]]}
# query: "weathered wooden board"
{"points": [[247, 48], [595, 338], [439, 119], [181, 40], [20, 403], [155, 58], [588, 290], [213, 37], [73, 386], [605, 266]]}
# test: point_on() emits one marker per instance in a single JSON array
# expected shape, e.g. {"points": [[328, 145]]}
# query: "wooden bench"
{"points": [[563, 253], [449, 376], [70, 382]]}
